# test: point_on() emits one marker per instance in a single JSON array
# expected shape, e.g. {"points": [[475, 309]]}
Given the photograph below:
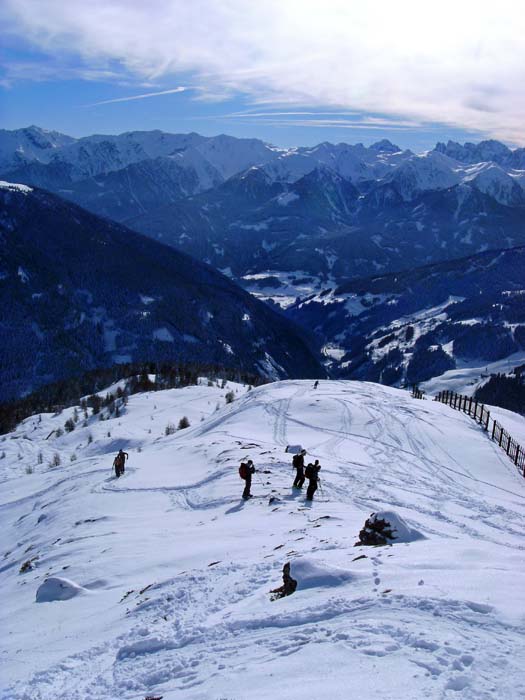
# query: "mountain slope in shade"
{"points": [[78, 292], [414, 325], [321, 226]]}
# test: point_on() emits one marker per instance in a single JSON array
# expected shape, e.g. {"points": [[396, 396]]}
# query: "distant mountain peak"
{"points": [[488, 150], [385, 146]]}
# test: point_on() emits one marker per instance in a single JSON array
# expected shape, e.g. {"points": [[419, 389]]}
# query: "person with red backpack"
{"points": [[119, 463], [298, 465], [245, 472], [312, 474]]}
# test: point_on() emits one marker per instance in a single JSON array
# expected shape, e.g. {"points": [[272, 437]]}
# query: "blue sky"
{"points": [[70, 106], [287, 72]]}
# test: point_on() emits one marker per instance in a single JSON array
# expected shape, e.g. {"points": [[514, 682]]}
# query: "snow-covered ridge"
{"points": [[217, 158], [162, 578], [15, 187]]}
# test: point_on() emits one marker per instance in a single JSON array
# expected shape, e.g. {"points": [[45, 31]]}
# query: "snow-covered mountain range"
{"points": [[332, 211], [158, 584], [79, 292], [291, 224]]}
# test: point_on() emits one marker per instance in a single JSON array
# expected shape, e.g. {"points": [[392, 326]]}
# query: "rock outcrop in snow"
{"points": [[386, 527]]}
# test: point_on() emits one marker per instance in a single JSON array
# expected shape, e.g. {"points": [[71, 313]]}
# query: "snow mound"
{"points": [[56, 588], [400, 528], [312, 574]]}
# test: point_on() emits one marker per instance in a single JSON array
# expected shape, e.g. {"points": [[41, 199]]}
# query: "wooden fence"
{"points": [[417, 393], [496, 432]]}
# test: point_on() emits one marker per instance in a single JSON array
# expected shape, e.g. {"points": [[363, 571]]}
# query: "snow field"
{"points": [[177, 569]]}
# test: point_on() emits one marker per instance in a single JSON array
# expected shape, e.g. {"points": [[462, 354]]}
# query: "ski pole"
{"points": [[259, 478]]}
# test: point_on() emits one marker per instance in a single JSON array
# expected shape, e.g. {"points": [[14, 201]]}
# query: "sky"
{"points": [[290, 72]]}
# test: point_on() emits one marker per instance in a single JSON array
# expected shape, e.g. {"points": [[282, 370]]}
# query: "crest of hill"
{"points": [[157, 579]]}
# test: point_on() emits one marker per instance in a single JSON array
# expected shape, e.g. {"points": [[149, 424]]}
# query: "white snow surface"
{"points": [[175, 569], [57, 588], [470, 375]]}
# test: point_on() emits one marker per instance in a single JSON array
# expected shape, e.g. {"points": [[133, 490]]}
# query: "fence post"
{"points": [[470, 406], [494, 430], [487, 423], [500, 435], [509, 441]]}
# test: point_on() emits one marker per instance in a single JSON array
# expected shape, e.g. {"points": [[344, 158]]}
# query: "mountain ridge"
{"points": [[79, 292]]}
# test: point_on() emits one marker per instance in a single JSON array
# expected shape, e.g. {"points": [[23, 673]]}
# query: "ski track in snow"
{"points": [[178, 569]]}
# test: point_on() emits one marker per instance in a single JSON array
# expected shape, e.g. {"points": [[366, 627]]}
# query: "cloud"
{"points": [[332, 119], [139, 97], [449, 62]]}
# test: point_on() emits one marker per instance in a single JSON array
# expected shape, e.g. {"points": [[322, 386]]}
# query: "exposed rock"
{"points": [[386, 527], [288, 587]]}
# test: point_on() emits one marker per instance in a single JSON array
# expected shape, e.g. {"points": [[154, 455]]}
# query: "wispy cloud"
{"points": [[331, 119], [139, 97], [456, 63], [334, 124], [262, 115]]}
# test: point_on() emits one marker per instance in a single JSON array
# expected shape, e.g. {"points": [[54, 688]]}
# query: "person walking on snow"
{"points": [[246, 470], [298, 465], [316, 384], [119, 463], [312, 474]]}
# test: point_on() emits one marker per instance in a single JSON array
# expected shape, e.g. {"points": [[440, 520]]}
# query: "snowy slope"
{"points": [[171, 571], [30, 144], [497, 183], [420, 173]]}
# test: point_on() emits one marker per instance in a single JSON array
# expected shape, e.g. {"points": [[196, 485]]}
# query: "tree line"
{"points": [[139, 377]]}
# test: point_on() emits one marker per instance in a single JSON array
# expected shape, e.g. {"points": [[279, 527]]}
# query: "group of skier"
{"points": [[247, 470], [119, 463], [310, 472]]}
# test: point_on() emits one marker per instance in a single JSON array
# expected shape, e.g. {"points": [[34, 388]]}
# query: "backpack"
{"points": [[243, 471], [309, 471], [119, 461], [296, 461]]}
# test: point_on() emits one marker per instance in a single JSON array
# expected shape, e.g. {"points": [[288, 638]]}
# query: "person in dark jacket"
{"points": [[119, 463], [298, 465], [312, 474], [248, 480]]}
